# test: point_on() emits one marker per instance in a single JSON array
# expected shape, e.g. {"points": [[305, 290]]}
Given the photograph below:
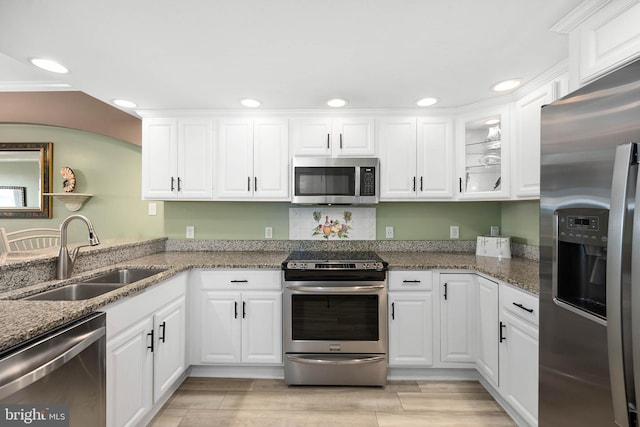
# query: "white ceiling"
{"points": [[289, 54]]}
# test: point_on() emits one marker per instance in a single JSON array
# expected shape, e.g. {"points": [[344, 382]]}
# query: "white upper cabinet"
{"points": [[604, 41], [253, 159], [526, 147], [333, 137], [416, 158], [482, 150], [177, 159]]}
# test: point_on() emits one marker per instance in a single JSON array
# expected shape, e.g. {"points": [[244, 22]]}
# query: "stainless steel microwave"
{"points": [[340, 181]]}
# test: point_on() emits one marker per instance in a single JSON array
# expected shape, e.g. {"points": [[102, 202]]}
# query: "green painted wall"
{"points": [[521, 220], [106, 167], [110, 169], [411, 221]]}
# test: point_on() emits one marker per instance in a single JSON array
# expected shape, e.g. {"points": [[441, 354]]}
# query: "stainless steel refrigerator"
{"points": [[590, 255]]}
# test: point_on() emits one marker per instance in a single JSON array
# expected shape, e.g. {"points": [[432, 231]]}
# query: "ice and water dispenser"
{"points": [[580, 261]]}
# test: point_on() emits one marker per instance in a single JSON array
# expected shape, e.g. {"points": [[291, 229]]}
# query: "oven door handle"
{"points": [[334, 360], [336, 289]]}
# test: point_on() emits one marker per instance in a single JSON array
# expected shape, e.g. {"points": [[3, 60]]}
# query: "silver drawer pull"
{"points": [[411, 281]]}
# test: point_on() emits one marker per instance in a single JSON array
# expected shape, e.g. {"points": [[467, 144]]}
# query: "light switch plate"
{"points": [[190, 232], [153, 208], [268, 232], [454, 232]]}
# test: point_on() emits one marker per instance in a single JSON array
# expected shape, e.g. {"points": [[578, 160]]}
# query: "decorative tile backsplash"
{"points": [[332, 223]]}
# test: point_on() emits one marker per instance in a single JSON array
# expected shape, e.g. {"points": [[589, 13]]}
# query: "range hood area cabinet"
{"points": [[352, 136], [252, 159], [177, 159], [416, 158]]}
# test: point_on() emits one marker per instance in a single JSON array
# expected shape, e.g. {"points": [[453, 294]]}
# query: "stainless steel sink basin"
{"points": [[96, 286], [125, 275], [75, 291]]}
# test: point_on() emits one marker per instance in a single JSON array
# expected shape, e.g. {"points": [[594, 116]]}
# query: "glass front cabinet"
{"points": [[482, 150]]}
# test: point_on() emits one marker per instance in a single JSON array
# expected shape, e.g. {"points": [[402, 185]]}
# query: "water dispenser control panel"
{"points": [[583, 226]]}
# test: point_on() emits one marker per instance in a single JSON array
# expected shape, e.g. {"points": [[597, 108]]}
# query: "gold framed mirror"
{"points": [[25, 177]]}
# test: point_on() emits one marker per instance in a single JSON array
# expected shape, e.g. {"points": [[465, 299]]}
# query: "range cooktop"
{"points": [[333, 260]]}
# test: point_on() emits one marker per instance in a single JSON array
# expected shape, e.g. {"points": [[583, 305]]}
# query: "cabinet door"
{"points": [[220, 327], [488, 330], [435, 159], [311, 137], [169, 355], [235, 160], [519, 366], [130, 375], [353, 137], [195, 159], [262, 327], [410, 329], [397, 141], [159, 154], [458, 317], [271, 159], [482, 150]]}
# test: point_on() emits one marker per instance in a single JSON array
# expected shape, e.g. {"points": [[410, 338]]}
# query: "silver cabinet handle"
{"points": [[179, 182], [172, 184], [328, 141], [248, 183], [617, 229]]}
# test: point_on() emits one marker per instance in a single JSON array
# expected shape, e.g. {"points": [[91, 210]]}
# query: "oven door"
{"points": [[335, 317]]}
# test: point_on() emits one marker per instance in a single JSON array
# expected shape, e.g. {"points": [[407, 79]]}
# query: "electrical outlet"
{"points": [[268, 232], [389, 232], [153, 209], [495, 230], [191, 231], [454, 232]]}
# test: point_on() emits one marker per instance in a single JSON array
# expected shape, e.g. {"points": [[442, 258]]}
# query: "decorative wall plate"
{"points": [[69, 183]]}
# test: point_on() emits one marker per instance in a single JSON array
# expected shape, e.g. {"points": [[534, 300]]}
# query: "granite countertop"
{"points": [[22, 320]]}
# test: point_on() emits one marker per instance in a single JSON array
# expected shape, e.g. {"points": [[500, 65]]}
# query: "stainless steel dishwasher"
{"points": [[60, 375]]}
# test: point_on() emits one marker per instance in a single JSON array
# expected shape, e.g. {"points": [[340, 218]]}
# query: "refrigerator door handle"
{"points": [[635, 289], [619, 198]]}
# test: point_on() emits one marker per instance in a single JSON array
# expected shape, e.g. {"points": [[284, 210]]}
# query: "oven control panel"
{"points": [[311, 265]]}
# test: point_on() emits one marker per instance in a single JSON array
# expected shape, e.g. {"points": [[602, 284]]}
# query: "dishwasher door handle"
{"points": [[53, 364]]}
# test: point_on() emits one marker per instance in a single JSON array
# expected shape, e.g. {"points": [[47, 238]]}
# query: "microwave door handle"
{"points": [[357, 182], [619, 198]]}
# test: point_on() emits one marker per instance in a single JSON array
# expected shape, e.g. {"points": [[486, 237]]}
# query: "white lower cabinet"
{"points": [[487, 360], [410, 318], [458, 308], [145, 350], [237, 317], [519, 352]]}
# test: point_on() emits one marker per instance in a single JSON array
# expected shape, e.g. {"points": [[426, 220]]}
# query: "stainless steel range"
{"points": [[335, 318]]}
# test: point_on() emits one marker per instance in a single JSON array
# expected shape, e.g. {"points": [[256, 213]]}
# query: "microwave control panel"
{"points": [[367, 181]]}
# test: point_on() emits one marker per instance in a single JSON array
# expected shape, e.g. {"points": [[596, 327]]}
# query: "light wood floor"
{"points": [[270, 403]]}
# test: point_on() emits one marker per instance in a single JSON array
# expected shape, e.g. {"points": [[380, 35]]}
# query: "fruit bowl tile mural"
{"points": [[329, 223]]}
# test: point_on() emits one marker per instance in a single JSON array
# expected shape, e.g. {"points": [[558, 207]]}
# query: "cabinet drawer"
{"points": [[239, 279], [519, 303], [410, 280]]}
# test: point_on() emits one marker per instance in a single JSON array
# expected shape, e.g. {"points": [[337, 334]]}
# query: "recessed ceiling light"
{"points": [[506, 85], [493, 121], [337, 102], [49, 65], [124, 103], [251, 103], [425, 102]]}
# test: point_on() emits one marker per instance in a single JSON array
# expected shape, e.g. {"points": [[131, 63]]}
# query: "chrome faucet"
{"points": [[66, 260]]}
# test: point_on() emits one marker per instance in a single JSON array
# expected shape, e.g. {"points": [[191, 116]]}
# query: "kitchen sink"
{"points": [[125, 275], [75, 291], [101, 284]]}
